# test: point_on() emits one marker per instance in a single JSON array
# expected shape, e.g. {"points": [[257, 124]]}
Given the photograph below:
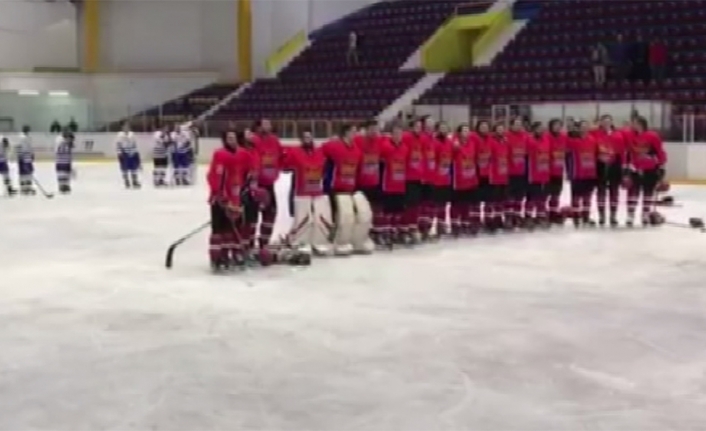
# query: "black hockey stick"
{"points": [[170, 251], [41, 189]]}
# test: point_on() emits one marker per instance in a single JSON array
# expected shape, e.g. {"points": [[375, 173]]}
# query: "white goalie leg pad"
{"points": [[323, 226], [363, 224], [345, 223], [303, 224]]}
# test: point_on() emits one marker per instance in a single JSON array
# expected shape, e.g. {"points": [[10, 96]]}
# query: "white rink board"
{"points": [[551, 331]]}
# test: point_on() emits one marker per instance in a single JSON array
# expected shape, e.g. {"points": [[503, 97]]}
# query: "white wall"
{"points": [[277, 21], [37, 34], [158, 35], [111, 96]]}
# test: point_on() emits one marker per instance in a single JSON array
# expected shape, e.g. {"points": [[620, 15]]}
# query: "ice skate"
{"points": [[613, 222], [601, 220], [64, 189]]}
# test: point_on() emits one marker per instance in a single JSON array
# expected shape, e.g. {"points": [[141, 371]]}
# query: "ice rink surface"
{"points": [[566, 330]]}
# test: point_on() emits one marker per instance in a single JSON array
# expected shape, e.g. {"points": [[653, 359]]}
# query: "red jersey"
{"points": [[341, 169], [499, 161], [444, 161], [557, 145], [538, 159], [307, 166], [228, 174], [484, 153], [645, 151], [465, 175], [269, 150], [430, 158], [394, 166], [582, 157], [611, 146], [415, 164], [517, 143], [369, 168]]}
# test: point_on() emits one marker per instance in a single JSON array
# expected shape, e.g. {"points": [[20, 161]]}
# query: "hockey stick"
{"points": [[689, 226], [170, 251], [41, 189]]}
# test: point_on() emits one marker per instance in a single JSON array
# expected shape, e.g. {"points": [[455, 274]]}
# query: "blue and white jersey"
{"points": [[64, 151], [183, 142], [24, 149], [126, 144], [161, 146]]}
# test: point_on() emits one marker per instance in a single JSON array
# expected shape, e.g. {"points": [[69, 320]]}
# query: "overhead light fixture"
{"points": [[59, 93], [28, 93]]}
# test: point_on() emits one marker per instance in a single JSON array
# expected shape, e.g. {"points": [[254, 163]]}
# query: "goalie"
{"points": [[312, 227], [352, 213]]}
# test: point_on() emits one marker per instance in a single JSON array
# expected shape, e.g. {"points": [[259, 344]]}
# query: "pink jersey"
{"points": [[538, 159], [582, 157], [517, 143], [342, 160], [269, 150], [307, 166], [394, 157], [465, 173], [557, 146], [369, 168], [444, 161]]}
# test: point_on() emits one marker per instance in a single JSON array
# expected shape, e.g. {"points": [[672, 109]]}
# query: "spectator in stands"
{"points": [[639, 59], [658, 59], [72, 126], [599, 59], [55, 127], [619, 58], [352, 55]]}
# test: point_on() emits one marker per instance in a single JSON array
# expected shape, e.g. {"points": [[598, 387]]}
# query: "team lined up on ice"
{"points": [[359, 189], [176, 149], [24, 157]]}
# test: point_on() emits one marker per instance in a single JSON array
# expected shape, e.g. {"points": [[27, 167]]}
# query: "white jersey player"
{"points": [[5, 166], [64, 161], [160, 158], [24, 151], [128, 157]]}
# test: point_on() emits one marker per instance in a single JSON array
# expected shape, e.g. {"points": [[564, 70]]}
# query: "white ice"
{"points": [[564, 330]]}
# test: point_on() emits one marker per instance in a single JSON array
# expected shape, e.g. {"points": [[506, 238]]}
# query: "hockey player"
{"points": [[645, 161], [611, 157], [557, 145], [160, 158], [229, 174], [441, 178], [128, 157], [393, 176], [416, 215], [498, 178], [183, 157], [64, 161], [313, 224], [428, 203], [582, 171], [484, 142], [269, 150], [24, 152], [465, 208], [368, 180], [538, 175], [517, 188], [5, 166], [352, 213]]}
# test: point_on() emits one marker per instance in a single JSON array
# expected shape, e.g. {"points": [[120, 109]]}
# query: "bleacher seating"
{"points": [[320, 84], [550, 59], [179, 110]]}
